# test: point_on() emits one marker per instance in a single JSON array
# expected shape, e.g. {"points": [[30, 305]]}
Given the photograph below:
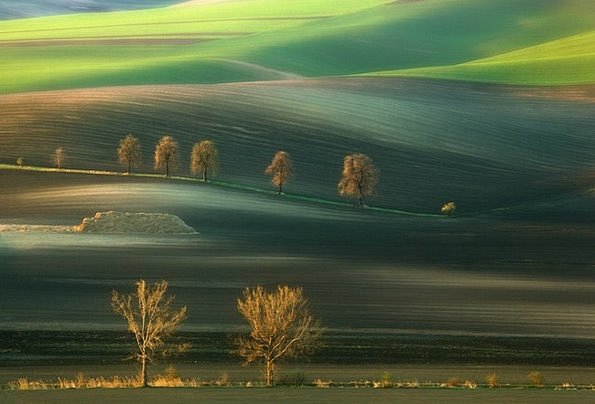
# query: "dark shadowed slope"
{"points": [[362, 271], [485, 147]]}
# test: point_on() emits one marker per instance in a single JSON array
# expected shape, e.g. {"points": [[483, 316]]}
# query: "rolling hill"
{"points": [[484, 146], [265, 39], [13, 9], [257, 76], [569, 60]]}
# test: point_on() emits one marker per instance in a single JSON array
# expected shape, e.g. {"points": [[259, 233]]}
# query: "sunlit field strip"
{"points": [[306, 39], [213, 182], [561, 62]]}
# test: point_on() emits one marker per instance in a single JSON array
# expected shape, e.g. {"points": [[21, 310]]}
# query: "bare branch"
{"points": [[281, 326], [151, 321]]}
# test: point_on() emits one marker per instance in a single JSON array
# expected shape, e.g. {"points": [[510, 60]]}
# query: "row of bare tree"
{"points": [[359, 177], [281, 325]]}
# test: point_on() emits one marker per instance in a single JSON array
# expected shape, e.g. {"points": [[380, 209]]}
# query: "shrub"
{"points": [[536, 378], [322, 383], [491, 380], [449, 208], [20, 162], [470, 384], [384, 382], [453, 382], [223, 380]]}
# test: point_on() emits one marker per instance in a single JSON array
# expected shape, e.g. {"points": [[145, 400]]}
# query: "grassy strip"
{"points": [[302, 198], [172, 380], [222, 184]]}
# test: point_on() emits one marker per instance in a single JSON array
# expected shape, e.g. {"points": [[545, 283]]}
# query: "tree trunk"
{"points": [[143, 371], [360, 196], [129, 165], [204, 174], [167, 168], [269, 372], [280, 189]]}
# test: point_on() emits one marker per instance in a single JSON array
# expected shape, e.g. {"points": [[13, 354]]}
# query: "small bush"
{"points": [[536, 378], [385, 382], [492, 380], [223, 380], [453, 382], [469, 384], [322, 383], [20, 161], [449, 208]]}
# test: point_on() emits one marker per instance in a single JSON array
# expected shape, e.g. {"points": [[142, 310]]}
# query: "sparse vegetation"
{"points": [[150, 319], [280, 169], [204, 159], [129, 152], [281, 326], [20, 162], [359, 178], [166, 153]]}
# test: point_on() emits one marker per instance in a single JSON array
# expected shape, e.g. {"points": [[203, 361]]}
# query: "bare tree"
{"points": [[204, 158], [359, 177], [281, 169], [129, 152], [281, 327], [166, 152], [149, 318], [58, 157]]}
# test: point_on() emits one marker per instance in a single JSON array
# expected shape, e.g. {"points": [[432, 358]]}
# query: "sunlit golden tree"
{"points": [[281, 326], [204, 159], [281, 170], [166, 153], [150, 319], [129, 152], [59, 157], [359, 177]]}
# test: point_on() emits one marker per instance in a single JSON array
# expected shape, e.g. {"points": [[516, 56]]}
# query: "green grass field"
{"points": [[565, 61], [264, 39]]}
